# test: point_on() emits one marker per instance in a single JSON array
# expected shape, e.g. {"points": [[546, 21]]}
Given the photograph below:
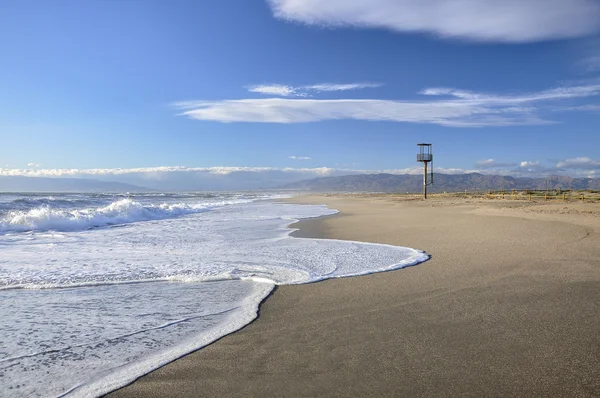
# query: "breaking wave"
{"points": [[123, 211]]}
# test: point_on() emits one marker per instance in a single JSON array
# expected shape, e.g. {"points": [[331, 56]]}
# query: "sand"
{"points": [[508, 305]]}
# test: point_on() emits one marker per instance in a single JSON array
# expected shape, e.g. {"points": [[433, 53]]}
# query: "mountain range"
{"points": [[442, 183], [408, 183]]}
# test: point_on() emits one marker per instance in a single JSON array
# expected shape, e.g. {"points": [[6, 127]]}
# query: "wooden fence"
{"points": [[516, 194], [545, 195]]}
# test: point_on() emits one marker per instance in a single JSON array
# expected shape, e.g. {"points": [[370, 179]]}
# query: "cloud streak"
{"points": [[582, 163], [282, 90], [448, 107], [274, 89], [574, 167], [300, 158], [340, 87], [150, 171], [509, 21], [176, 178], [492, 163], [584, 108], [592, 64]]}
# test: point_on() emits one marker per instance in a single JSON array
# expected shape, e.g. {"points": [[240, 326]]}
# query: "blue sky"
{"points": [[508, 87]]}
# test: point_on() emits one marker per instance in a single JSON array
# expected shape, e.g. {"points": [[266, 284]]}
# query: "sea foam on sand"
{"points": [[86, 311]]}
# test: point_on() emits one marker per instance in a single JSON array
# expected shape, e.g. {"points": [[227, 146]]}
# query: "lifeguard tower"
{"points": [[425, 156]]}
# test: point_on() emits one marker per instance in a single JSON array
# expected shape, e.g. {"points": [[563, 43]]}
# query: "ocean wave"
{"points": [[28, 203], [122, 211]]}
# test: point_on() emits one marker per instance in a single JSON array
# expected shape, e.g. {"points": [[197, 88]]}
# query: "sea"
{"points": [[99, 289]]}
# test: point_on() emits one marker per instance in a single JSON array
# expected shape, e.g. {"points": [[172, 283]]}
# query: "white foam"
{"points": [[96, 339], [122, 211], [136, 297]]}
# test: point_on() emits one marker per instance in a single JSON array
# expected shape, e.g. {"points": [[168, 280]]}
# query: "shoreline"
{"points": [[472, 320]]}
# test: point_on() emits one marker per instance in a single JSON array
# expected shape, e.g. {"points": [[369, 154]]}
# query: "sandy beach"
{"points": [[508, 305]]}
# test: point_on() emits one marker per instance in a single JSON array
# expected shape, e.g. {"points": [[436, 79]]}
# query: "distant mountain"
{"points": [[44, 184], [443, 182]]}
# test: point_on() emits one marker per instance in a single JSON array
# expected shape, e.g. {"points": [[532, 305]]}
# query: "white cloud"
{"points": [[526, 168], [416, 170], [278, 110], [33, 165], [218, 170], [153, 173], [176, 178], [478, 20], [180, 178], [529, 164], [437, 91], [143, 175], [575, 167], [559, 93], [485, 162], [340, 87], [274, 89], [300, 157], [492, 163], [579, 163], [461, 109], [282, 90]]}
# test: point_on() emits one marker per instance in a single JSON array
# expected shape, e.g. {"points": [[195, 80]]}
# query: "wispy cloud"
{"points": [[574, 167], [154, 173], [590, 55], [592, 63], [523, 168], [492, 163], [162, 173], [279, 110], [456, 108], [478, 20], [451, 92], [33, 165], [274, 89], [554, 94], [580, 163], [176, 178], [300, 157], [151, 171], [585, 108], [282, 90], [340, 87], [579, 167]]}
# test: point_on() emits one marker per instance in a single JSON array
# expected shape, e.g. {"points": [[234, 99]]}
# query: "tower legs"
{"points": [[424, 180]]}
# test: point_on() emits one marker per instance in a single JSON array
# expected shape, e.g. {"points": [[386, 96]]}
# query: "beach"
{"points": [[507, 305]]}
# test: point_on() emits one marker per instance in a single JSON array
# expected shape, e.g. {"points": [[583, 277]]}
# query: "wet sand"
{"points": [[508, 305]]}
